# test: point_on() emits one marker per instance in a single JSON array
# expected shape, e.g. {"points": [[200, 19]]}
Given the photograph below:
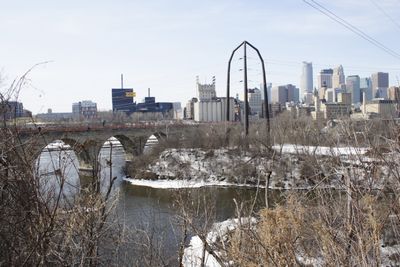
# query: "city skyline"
{"points": [[164, 46]]}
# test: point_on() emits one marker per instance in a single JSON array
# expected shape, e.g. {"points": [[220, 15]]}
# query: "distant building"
{"points": [[214, 110], [321, 92], [255, 101], [275, 109], [330, 111], [306, 80], [122, 100], [54, 116], [279, 94], [334, 111], [380, 84], [308, 98], [206, 92], [178, 112], [13, 109], [325, 78], [285, 93], [338, 78], [344, 98], [353, 87], [386, 109], [330, 95], [394, 93], [269, 91], [151, 106], [84, 110], [189, 115], [366, 86]]}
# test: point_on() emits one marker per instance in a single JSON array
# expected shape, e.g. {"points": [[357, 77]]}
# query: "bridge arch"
{"points": [[153, 140], [57, 167], [131, 147], [78, 148]]}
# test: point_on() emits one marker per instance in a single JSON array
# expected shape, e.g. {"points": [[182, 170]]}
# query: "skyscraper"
{"points": [[325, 78], [353, 87], [285, 93], [306, 83], [380, 84], [338, 78], [366, 86]]}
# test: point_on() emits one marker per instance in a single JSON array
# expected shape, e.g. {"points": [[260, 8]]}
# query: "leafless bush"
{"points": [[36, 227]]}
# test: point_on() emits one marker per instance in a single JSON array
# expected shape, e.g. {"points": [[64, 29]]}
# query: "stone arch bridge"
{"points": [[86, 141]]}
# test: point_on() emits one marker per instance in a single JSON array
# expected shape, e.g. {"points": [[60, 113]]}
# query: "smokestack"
{"points": [[148, 92], [122, 81]]}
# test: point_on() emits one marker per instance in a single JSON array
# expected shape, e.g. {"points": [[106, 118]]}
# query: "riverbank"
{"points": [[287, 166]]}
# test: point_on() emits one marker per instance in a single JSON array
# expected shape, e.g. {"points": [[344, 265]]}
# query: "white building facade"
{"points": [[206, 92], [214, 110], [306, 80]]}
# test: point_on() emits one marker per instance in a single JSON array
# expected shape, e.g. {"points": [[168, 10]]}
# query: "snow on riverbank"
{"points": [[297, 167], [320, 150], [192, 256], [176, 184], [180, 184], [219, 235]]}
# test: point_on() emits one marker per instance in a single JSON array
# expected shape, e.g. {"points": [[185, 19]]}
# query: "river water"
{"points": [[144, 208]]}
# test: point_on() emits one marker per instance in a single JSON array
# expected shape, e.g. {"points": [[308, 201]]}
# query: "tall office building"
{"points": [[380, 84], [325, 78], [338, 78], [366, 86], [255, 101], [306, 83], [285, 93], [206, 92], [353, 87]]}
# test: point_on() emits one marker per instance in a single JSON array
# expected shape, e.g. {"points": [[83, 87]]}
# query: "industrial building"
{"points": [[214, 110], [123, 101]]}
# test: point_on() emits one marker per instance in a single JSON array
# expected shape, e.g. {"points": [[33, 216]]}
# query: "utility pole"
{"points": [[246, 102], [246, 99]]}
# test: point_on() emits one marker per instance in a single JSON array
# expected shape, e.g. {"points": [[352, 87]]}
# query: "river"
{"points": [[148, 209]]}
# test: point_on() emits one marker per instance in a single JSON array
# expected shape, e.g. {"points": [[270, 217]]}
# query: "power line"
{"points": [[351, 27], [386, 14]]}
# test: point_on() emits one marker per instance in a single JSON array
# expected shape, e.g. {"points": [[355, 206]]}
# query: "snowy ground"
{"points": [[390, 255], [321, 150], [194, 168], [192, 256], [176, 184]]}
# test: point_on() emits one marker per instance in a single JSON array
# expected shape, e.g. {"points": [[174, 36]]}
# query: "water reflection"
{"points": [[57, 168]]}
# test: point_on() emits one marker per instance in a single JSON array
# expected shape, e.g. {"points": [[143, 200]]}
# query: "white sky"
{"points": [[164, 44]]}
